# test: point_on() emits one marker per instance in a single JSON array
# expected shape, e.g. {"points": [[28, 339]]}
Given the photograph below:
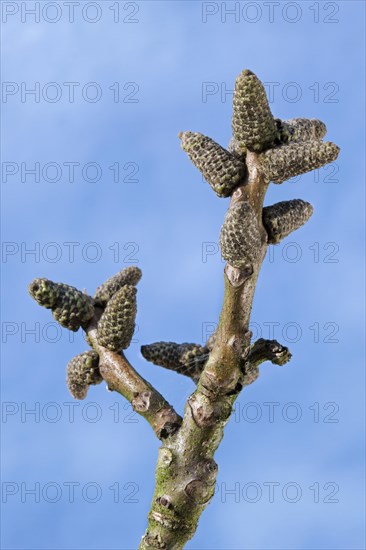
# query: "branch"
{"points": [[262, 149], [108, 320], [123, 378], [186, 470]]}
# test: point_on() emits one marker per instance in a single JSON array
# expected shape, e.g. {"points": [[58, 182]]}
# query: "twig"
{"points": [[262, 149], [123, 378]]}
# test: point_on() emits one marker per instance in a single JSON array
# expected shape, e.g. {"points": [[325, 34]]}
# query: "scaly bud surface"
{"points": [[45, 292], [300, 129], [128, 276], [70, 307], [253, 124], [287, 161], [187, 359], [117, 324], [282, 218], [83, 371], [240, 239], [221, 169]]}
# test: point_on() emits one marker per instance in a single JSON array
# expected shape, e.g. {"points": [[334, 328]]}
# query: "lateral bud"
{"points": [[240, 239], [300, 129], [284, 217], [117, 324], [70, 307], [187, 359], [83, 371], [221, 169], [287, 161], [128, 276]]}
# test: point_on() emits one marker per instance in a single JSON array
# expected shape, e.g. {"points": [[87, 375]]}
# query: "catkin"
{"points": [[70, 307], [253, 124], [128, 276], [83, 371], [117, 324], [287, 161], [282, 218], [222, 170], [240, 239]]}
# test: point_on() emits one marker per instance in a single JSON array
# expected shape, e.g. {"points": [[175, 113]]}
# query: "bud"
{"points": [[83, 371], [128, 276], [117, 324], [70, 307], [282, 218], [253, 124], [287, 161], [300, 129], [221, 169], [240, 239], [45, 292], [187, 359]]}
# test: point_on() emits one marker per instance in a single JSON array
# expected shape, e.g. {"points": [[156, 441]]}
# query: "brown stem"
{"points": [[186, 470], [122, 377]]}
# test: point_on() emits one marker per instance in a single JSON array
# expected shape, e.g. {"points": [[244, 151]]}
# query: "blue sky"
{"points": [[142, 72]]}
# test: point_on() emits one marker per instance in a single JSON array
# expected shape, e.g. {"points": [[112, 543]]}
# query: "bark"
{"points": [[123, 378], [186, 470]]}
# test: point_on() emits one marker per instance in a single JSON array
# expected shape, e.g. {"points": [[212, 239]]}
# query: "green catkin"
{"points": [[117, 324], [70, 307], [253, 124], [128, 276], [222, 170], [45, 292], [282, 218], [83, 371], [287, 161], [240, 239]]}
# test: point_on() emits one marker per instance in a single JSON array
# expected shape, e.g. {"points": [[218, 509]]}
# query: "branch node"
{"points": [[141, 401], [237, 276], [199, 491]]}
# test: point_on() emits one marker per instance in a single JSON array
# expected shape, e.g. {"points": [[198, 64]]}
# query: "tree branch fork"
{"points": [[263, 149]]}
